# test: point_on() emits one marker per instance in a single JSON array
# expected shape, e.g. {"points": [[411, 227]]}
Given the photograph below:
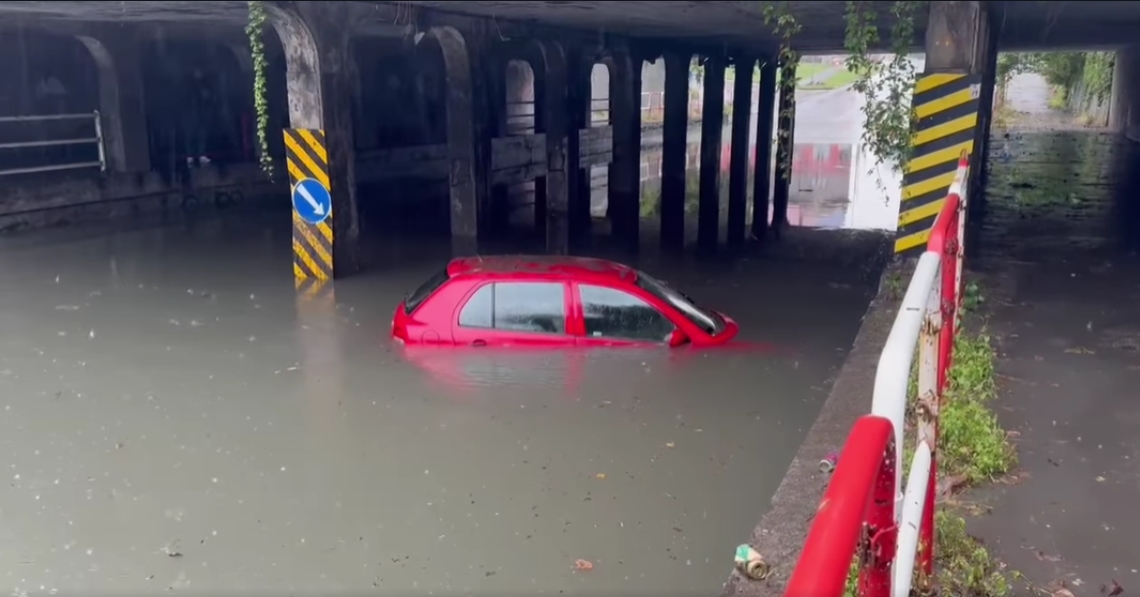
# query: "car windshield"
{"points": [[416, 298], [708, 321]]}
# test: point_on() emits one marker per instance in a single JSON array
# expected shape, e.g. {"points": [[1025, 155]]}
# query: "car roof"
{"points": [[577, 268]]}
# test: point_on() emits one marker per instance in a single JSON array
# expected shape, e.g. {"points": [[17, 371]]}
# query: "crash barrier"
{"points": [[95, 138], [862, 513]]}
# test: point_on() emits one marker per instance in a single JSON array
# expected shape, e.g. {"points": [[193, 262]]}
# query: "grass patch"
{"points": [[842, 78], [973, 449]]}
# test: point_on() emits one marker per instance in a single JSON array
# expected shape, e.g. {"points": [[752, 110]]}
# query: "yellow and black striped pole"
{"points": [[947, 108], [306, 158]]}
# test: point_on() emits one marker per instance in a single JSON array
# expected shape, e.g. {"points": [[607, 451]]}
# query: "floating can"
{"points": [[750, 563], [827, 465]]}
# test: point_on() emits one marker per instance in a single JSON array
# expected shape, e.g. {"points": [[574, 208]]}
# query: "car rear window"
{"points": [[417, 297]]}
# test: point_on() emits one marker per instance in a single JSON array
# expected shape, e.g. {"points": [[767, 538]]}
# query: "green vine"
{"points": [[784, 24], [886, 85], [254, 30]]}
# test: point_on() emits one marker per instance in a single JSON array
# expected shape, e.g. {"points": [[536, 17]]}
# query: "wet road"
{"points": [[173, 420]]}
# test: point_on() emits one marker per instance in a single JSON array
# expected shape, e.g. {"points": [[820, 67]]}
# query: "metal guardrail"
{"points": [[866, 511], [97, 140]]}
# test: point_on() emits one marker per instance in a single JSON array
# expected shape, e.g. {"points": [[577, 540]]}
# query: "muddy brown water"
{"points": [[172, 421]]}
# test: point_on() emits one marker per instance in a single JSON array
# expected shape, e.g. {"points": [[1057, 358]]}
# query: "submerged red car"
{"points": [[552, 301]]}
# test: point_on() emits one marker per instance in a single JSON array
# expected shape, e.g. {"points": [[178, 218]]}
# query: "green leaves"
{"points": [[254, 29], [885, 85]]}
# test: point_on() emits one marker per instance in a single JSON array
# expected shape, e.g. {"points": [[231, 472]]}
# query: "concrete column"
{"points": [[785, 144], [712, 121], [319, 82], [122, 108], [495, 219], [625, 170], [956, 87], [578, 185], [738, 161], [1124, 113], [470, 127], [556, 126], [675, 138], [762, 181]]}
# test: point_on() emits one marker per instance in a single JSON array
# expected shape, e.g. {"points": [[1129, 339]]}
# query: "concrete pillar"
{"points": [[556, 125], [122, 108], [319, 82], [577, 112], [785, 144], [712, 121], [954, 115], [762, 181], [675, 142], [738, 161], [625, 170], [470, 127], [1124, 113]]}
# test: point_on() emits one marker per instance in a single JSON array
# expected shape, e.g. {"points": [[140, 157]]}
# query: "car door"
{"points": [[514, 313], [616, 317]]}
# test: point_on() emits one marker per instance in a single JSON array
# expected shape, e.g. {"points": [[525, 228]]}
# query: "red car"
{"points": [[551, 302]]}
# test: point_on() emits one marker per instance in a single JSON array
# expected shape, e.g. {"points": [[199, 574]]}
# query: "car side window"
{"points": [[530, 307], [479, 310], [538, 307], [611, 313]]}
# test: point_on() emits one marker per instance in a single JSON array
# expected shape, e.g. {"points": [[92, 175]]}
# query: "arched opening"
{"points": [[199, 107], [599, 115], [521, 118], [520, 89], [402, 105], [49, 75], [652, 120]]}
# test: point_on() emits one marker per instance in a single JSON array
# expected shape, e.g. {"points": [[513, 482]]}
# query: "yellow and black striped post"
{"points": [[308, 163], [947, 108]]}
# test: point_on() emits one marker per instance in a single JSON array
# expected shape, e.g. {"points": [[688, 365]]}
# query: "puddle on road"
{"points": [[172, 421]]}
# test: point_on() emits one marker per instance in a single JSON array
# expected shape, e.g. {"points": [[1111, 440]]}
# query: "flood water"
{"points": [[173, 420]]}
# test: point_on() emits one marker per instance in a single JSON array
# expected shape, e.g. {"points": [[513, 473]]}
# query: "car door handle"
{"points": [[478, 343]]}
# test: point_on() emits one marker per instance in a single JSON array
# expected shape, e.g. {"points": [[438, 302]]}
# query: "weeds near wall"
{"points": [[254, 29], [972, 449]]}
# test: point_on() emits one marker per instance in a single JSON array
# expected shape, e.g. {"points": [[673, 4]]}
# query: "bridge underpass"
{"points": [[165, 386]]}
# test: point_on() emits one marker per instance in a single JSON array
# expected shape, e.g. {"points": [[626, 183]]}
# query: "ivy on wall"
{"points": [[886, 83], [254, 29]]}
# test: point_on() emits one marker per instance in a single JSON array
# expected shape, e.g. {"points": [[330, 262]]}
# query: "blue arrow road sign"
{"points": [[312, 201]]}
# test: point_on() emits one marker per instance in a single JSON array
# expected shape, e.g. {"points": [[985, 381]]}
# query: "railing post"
{"points": [[930, 386], [881, 531], [99, 142]]}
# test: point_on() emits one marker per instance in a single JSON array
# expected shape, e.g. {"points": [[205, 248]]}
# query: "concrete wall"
{"points": [[1124, 110], [1084, 104]]}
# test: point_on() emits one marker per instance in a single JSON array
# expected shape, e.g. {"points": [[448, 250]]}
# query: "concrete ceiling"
{"points": [[1023, 24]]}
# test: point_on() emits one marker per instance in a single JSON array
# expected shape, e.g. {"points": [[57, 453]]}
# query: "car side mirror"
{"points": [[678, 338]]}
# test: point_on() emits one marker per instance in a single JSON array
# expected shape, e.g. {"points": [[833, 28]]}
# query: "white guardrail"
{"points": [[96, 139]]}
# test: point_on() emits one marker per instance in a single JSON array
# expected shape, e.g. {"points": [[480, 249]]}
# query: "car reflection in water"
{"points": [[494, 373]]}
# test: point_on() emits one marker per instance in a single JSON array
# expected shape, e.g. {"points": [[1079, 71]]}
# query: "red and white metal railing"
{"points": [[863, 512]]}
